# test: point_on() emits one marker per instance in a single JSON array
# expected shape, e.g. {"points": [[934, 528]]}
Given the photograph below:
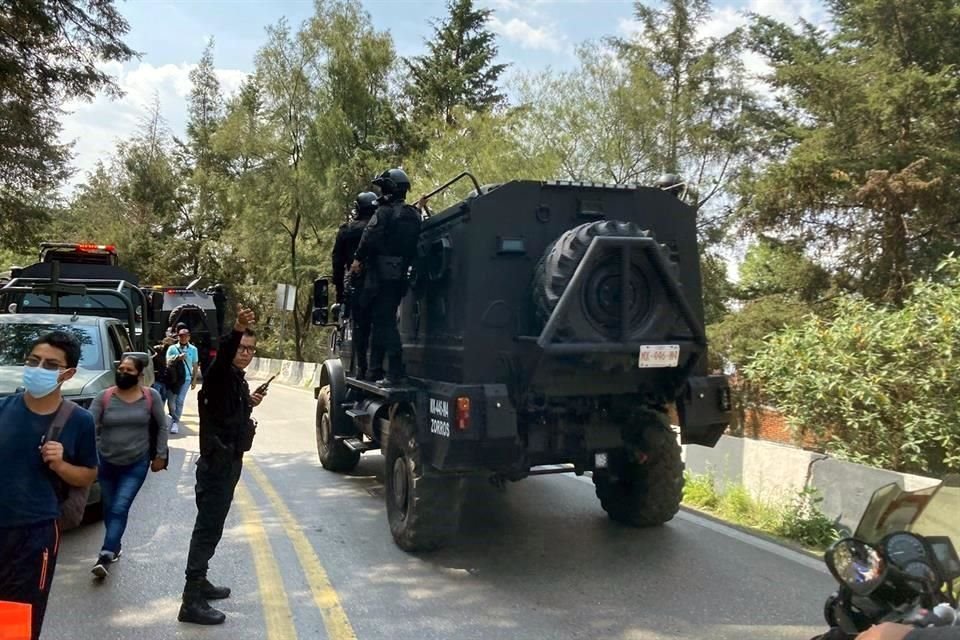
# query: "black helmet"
{"points": [[364, 205], [393, 183]]}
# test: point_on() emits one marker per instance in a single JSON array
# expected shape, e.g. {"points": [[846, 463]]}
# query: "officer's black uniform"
{"points": [[350, 285], [226, 432], [387, 249]]}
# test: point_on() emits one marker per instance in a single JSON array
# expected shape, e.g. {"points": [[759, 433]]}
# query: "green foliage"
{"points": [[741, 335], [800, 519], [50, 52], [876, 385], [717, 288], [777, 285], [499, 151], [458, 71], [699, 490], [862, 160], [774, 267]]}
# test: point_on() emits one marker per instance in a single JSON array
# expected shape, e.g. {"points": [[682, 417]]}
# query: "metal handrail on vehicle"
{"points": [[55, 287], [446, 185]]}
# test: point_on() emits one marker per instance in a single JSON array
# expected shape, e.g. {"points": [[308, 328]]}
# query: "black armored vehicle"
{"points": [[548, 327]]}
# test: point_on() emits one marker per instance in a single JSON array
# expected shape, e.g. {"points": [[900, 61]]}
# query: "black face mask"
{"points": [[126, 380]]}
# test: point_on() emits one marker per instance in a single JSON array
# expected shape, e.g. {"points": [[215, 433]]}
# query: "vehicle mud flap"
{"points": [[704, 408]]}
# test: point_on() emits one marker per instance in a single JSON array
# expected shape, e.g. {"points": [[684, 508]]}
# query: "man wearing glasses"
{"points": [[31, 467], [226, 433]]}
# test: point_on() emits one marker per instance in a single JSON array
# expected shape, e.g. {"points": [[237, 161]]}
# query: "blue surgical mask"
{"points": [[40, 382]]}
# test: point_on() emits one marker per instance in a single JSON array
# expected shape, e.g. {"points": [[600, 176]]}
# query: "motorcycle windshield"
{"points": [[925, 512]]}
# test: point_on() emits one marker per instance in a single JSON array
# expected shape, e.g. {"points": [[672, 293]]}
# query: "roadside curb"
{"points": [[757, 533]]}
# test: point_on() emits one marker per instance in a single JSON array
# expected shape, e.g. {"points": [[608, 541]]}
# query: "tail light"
{"points": [[213, 353], [463, 413]]}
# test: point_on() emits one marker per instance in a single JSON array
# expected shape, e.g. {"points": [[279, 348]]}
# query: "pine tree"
{"points": [[458, 71], [49, 53]]}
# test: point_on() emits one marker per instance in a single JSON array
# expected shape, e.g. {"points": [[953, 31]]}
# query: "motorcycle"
{"points": [[901, 565]]}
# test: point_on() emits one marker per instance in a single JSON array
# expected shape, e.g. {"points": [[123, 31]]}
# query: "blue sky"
{"points": [[171, 34]]}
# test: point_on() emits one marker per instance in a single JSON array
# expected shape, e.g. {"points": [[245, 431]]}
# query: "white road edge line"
{"points": [[740, 536]]}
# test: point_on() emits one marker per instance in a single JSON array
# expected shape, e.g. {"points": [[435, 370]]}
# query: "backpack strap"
{"points": [[149, 399], [60, 420], [107, 395]]}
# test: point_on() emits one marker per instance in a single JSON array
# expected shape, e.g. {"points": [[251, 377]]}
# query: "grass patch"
{"points": [[800, 519]]}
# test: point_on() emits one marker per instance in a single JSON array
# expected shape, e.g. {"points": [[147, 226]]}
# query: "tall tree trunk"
{"points": [[894, 263]]}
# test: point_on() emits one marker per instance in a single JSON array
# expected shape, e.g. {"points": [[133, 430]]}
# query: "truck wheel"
{"points": [[334, 454], [596, 315], [423, 510], [647, 494]]}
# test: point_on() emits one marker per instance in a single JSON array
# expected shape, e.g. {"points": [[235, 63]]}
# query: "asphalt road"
{"points": [[308, 555]]}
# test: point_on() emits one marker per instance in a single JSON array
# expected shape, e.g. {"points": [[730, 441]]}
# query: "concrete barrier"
{"points": [[289, 372], [853, 484], [775, 472]]}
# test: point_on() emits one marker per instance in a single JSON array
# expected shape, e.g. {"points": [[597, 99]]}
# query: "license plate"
{"points": [[659, 356]]}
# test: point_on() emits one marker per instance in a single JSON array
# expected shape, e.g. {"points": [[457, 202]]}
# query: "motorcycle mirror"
{"points": [[856, 565]]}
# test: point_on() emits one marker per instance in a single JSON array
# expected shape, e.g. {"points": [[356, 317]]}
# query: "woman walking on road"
{"points": [[131, 436]]}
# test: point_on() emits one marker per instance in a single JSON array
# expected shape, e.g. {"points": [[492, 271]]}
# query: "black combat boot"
{"points": [[195, 608], [211, 592], [395, 373]]}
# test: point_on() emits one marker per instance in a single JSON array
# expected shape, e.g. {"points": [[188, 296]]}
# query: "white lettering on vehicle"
{"points": [[440, 417]]}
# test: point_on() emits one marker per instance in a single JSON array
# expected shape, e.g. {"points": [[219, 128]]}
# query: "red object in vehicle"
{"points": [[463, 413]]}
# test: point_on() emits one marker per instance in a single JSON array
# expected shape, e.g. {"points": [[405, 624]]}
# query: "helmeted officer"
{"points": [[349, 285], [387, 250], [672, 184]]}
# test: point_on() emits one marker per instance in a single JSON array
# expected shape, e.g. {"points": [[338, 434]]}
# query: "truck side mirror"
{"points": [[321, 302]]}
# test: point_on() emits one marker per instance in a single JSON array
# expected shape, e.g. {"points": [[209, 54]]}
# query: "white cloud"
{"points": [[789, 12], [628, 27], [95, 127], [723, 21], [528, 36]]}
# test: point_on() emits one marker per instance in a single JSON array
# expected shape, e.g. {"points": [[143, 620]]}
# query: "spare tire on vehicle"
{"points": [[595, 316]]}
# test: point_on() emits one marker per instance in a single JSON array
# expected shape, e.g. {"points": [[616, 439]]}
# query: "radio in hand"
{"points": [[262, 389]]}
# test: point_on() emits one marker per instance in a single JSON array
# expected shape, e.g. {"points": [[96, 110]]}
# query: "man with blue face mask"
{"points": [[31, 468]]}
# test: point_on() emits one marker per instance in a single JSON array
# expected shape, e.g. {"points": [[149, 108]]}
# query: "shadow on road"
{"points": [[541, 559]]}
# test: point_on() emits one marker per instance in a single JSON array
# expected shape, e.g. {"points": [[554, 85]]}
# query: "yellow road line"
{"points": [[276, 606], [334, 617]]}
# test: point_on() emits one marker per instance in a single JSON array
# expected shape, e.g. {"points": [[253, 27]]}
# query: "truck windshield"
{"points": [[16, 338]]}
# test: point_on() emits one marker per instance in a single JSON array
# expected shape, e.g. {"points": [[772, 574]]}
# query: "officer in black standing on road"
{"points": [[349, 285], [387, 249], [226, 432]]}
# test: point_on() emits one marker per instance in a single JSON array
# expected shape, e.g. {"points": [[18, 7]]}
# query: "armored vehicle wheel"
{"points": [[423, 510], [647, 494], [334, 454]]}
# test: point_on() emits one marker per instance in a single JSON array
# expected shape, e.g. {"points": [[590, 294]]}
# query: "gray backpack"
{"points": [[73, 500]]}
